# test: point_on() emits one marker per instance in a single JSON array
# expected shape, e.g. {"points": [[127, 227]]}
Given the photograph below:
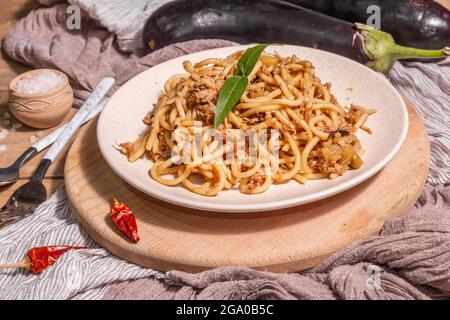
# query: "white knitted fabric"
{"points": [[125, 18], [427, 87], [122, 17]]}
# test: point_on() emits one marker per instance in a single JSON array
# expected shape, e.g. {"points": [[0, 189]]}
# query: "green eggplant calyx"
{"points": [[381, 49]]}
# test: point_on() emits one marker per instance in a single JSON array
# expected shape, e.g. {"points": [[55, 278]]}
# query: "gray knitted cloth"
{"points": [[409, 260]]}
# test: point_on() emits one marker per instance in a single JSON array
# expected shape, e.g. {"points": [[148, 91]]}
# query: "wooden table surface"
{"points": [[17, 142]]}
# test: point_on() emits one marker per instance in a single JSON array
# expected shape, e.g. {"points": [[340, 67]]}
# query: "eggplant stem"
{"points": [[408, 52], [381, 48]]}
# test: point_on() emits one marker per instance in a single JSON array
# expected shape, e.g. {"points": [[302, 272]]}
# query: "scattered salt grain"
{"points": [[2, 148], [40, 134], [3, 134], [6, 115], [7, 122], [39, 82], [32, 139], [15, 127]]}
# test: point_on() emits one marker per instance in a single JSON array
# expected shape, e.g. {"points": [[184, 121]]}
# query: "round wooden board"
{"points": [[283, 241]]}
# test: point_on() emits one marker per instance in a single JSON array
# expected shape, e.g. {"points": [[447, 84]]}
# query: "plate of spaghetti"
{"points": [[308, 125]]}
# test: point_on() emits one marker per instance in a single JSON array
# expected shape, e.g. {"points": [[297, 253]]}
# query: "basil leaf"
{"points": [[229, 95], [233, 89], [248, 60]]}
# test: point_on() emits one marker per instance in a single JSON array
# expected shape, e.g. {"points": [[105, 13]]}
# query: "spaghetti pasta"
{"points": [[315, 135]]}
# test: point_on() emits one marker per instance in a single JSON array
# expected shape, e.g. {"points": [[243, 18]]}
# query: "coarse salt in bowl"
{"points": [[40, 98], [40, 82]]}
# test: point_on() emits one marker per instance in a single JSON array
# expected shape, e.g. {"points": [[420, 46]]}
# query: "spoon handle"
{"points": [[71, 128], [24, 157], [49, 139]]}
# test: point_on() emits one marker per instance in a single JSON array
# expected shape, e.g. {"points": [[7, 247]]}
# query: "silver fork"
{"points": [[25, 200]]}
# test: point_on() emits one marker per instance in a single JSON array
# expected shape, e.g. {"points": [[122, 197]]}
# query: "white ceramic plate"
{"points": [[121, 121]]}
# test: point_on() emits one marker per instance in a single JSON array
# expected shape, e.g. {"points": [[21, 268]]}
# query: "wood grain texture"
{"points": [[10, 13], [445, 3], [288, 240]]}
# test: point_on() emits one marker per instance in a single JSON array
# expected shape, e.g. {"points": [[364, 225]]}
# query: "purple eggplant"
{"points": [[272, 21], [416, 23]]}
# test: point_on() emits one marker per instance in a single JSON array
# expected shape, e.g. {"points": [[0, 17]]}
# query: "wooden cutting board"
{"points": [[289, 240]]}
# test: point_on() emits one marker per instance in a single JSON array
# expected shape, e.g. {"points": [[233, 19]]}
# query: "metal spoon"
{"points": [[12, 173]]}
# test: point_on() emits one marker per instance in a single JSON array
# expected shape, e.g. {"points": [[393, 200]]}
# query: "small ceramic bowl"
{"points": [[41, 110]]}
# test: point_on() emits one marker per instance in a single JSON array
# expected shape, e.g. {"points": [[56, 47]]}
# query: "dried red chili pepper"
{"points": [[40, 258], [124, 219]]}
